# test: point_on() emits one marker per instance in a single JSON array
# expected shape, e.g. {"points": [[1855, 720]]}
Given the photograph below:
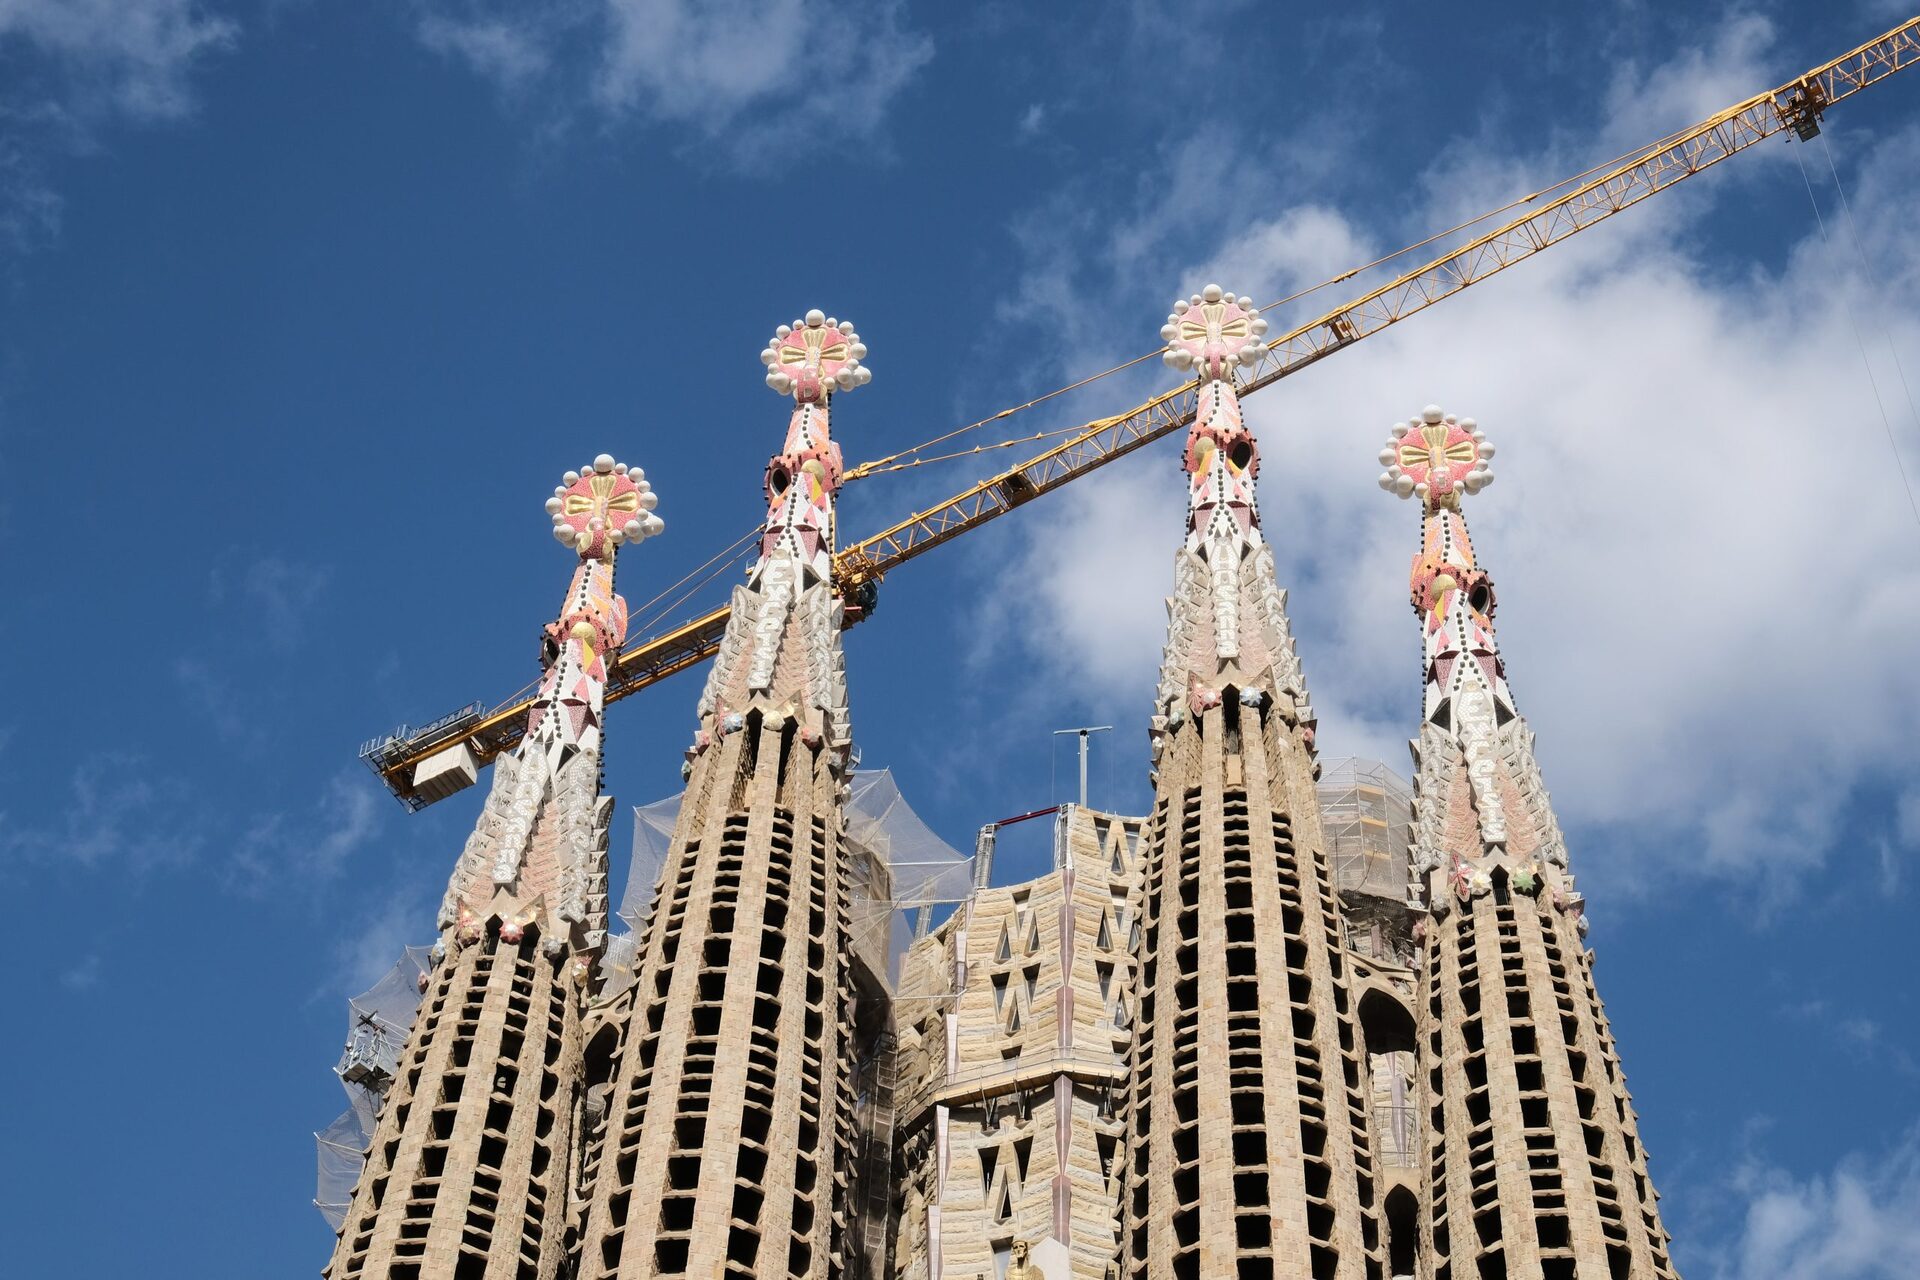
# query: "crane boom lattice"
{"points": [[1796, 106]]}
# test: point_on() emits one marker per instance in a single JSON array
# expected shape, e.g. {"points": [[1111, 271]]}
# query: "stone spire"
{"points": [[1248, 1147], [727, 1139], [781, 652], [1227, 619], [1536, 1167], [467, 1174], [552, 778]]}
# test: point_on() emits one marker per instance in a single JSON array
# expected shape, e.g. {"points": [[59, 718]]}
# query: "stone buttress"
{"points": [[469, 1172], [1536, 1168], [726, 1143], [1247, 1144]]}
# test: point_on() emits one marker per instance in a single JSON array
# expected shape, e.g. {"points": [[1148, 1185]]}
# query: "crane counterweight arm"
{"points": [[1796, 106]]}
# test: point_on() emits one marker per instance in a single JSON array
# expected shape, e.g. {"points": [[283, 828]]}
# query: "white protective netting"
{"points": [[897, 867], [1366, 814], [378, 1020]]}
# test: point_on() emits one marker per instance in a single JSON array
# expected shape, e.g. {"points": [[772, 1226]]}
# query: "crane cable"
{"points": [[1859, 250], [894, 461], [1853, 323], [903, 461], [712, 562]]}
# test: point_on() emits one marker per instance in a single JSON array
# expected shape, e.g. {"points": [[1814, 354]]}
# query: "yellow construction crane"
{"points": [[479, 734]]}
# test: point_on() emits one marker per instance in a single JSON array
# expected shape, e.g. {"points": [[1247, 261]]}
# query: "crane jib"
{"points": [[1795, 106]]}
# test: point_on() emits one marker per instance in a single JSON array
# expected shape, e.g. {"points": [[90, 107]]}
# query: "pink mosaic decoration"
{"points": [[1213, 332], [601, 506], [813, 357], [1436, 457]]}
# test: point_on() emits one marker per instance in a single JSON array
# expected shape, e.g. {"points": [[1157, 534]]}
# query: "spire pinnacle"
{"points": [[602, 505], [1213, 331], [1437, 456], [814, 357]]}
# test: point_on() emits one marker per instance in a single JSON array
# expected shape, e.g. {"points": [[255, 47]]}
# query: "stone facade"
{"points": [[1285, 1025], [1014, 1022]]}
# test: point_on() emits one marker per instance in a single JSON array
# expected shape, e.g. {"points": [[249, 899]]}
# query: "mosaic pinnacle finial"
{"points": [[1436, 456], [602, 505], [1215, 331], [814, 357]]}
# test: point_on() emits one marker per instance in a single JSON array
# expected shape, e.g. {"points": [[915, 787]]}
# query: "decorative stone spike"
{"points": [[742, 1109], [500, 1033], [1507, 979]]}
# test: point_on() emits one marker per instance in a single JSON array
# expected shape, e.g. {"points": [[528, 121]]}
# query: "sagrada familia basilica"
{"points": [[1212, 1042]]}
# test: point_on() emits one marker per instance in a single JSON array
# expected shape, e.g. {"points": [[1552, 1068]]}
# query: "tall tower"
{"points": [[467, 1177], [1247, 1131], [1536, 1166], [727, 1142]]}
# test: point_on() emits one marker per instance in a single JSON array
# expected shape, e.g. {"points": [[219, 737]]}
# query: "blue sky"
{"points": [[304, 307]]}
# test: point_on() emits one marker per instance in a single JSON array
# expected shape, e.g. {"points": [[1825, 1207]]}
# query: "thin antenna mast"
{"points": [[1085, 733]]}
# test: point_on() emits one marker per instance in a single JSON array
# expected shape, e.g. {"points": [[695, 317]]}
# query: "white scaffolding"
{"points": [[1366, 814]]}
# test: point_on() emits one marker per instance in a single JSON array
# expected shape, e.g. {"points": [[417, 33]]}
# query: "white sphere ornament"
{"points": [[1386, 456], [815, 319], [1213, 293], [1400, 430], [781, 331], [617, 537], [1485, 450], [1386, 481], [649, 500], [572, 478], [1180, 306], [653, 524], [1431, 413], [604, 464], [553, 506], [1403, 485]]}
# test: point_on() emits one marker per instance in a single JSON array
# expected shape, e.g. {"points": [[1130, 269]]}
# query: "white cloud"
{"points": [[507, 52], [275, 851], [74, 66], [136, 55], [277, 595], [1709, 572], [1859, 1222], [767, 82], [119, 814], [83, 974], [363, 954]]}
